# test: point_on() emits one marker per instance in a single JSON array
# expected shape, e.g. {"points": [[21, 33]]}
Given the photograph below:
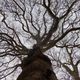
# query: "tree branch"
{"points": [[53, 42], [51, 31], [48, 9], [69, 9]]}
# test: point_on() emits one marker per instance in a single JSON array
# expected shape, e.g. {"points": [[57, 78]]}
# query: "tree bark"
{"points": [[37, 66]]}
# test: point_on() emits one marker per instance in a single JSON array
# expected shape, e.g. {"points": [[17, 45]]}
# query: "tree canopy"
{"points": [[54, 25]]}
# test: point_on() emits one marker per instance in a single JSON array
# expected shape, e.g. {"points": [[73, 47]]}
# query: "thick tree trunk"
{"points": [[36, 75], [37, 67], [76, 76]]}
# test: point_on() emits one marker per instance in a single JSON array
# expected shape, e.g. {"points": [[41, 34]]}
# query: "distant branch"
{"points": [[18, 5], [48, 9], [69, 9], [15, 67], [51, 31], [52, 43]]}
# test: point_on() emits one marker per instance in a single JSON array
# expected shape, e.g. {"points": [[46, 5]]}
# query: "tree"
{"points": [[53, 25]]}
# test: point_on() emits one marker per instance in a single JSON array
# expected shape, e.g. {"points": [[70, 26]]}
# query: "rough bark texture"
{"points": [[36, 66]]}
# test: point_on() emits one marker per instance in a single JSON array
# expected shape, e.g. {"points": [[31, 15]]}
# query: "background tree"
{"points": [[54, 25]]}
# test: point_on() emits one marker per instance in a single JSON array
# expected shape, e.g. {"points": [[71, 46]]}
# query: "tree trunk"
{"points": [[37, 66], [76, 77]]}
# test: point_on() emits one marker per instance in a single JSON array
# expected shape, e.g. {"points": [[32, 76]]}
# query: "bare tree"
{"points": [[53, 25]]}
